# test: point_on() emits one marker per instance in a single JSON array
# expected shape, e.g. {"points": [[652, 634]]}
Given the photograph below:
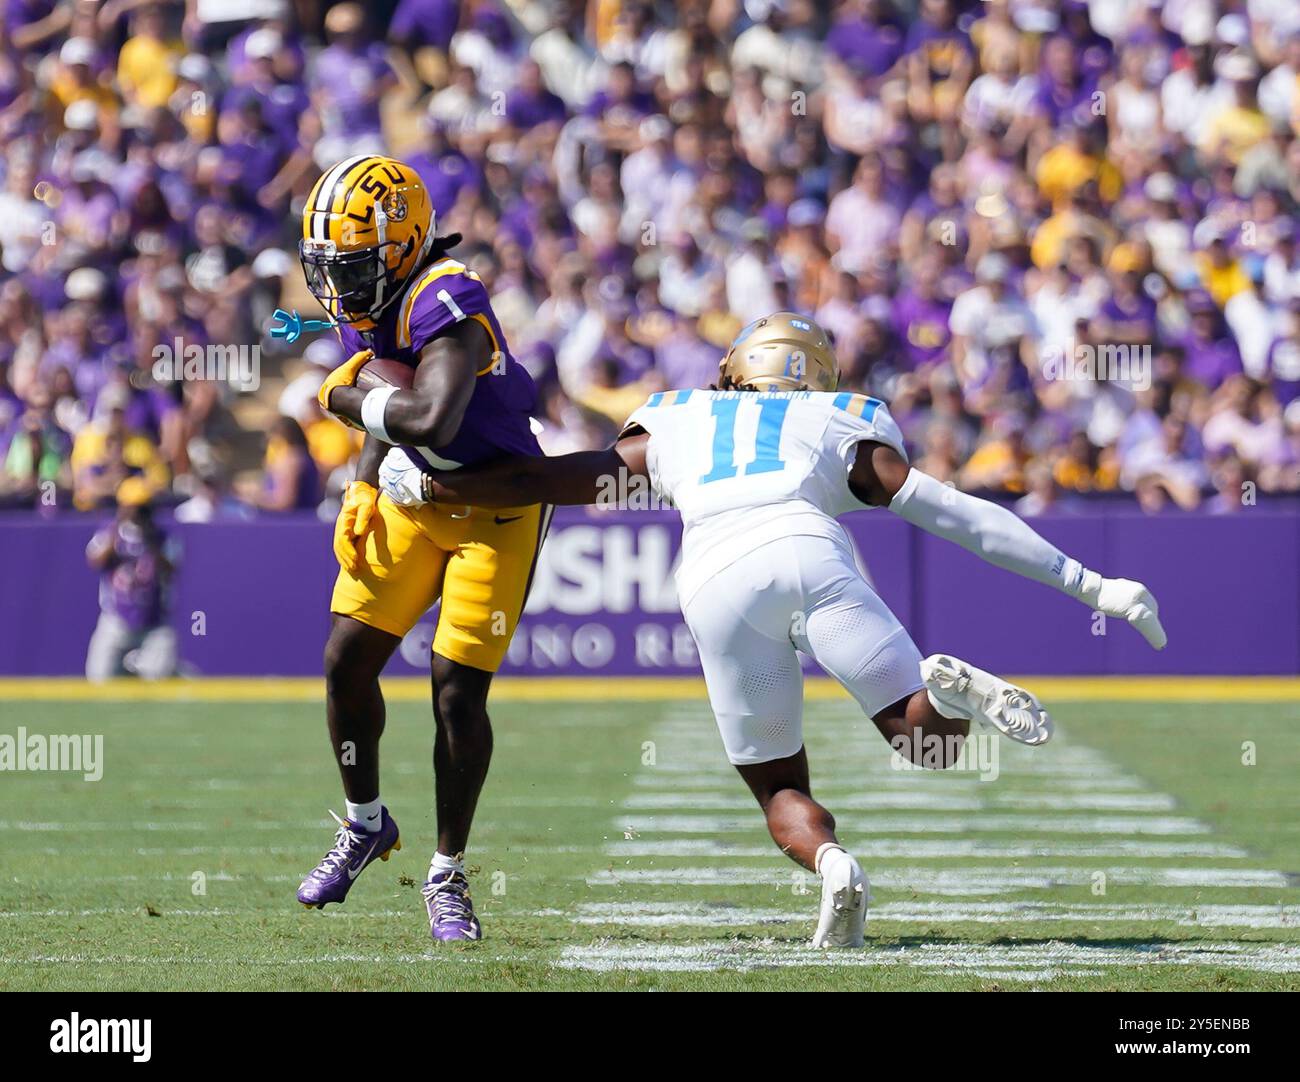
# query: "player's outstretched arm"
{"points": [[882, 477], [578, 478]]}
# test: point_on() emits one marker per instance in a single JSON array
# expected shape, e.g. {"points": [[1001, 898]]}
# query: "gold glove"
{"points": [[355, 517], [345, 375]]}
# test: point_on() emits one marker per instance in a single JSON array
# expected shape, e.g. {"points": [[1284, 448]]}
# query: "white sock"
{"points": [[442, 863], [368, 816], [828, 854]]}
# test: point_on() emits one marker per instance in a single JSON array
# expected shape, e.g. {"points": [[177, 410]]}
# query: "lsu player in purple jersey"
{"points": [[759, 469], [372, 259]]}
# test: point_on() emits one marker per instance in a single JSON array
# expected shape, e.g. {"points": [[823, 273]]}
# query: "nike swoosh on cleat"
{"points": [[353, 874], [509, 518]]}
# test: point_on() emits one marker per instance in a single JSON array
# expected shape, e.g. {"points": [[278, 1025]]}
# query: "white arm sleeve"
{"points": [[991, 532]]}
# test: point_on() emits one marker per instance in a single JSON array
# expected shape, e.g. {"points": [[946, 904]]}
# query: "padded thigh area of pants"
{"points": [[741, 623]]}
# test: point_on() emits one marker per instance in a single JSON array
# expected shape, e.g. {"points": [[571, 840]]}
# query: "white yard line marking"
{"points": [[918, 800], [708, 915], [930, 849], [742, 802], [1192, 916], [953, 881], [688, 762], [1027, 962], [839, 785], [1125, 802], [920, 824]]}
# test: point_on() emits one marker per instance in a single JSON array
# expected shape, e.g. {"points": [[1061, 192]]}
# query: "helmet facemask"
{"points": [[351, 286]]}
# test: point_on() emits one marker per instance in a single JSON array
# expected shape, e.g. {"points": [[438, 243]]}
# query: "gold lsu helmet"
{"points": [[781, 352], [367, 227]]}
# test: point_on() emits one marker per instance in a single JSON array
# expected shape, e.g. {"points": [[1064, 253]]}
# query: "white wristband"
{"points": [[372, 412]]}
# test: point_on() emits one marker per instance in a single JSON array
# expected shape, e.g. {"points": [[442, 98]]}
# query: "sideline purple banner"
{"points": [[251, 598]]}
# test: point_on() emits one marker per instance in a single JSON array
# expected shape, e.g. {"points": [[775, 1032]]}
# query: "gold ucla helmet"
{"points": [[367, 227], [780, 352]]}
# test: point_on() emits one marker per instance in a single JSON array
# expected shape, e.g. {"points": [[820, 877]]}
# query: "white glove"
{"points": [[400, 480], [1127, 600]]}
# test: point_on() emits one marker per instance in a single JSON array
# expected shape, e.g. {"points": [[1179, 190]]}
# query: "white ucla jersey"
{"points": [[745, 468]]}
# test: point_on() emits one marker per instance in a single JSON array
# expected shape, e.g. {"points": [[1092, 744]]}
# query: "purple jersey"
{"points": [[497, 420], [133, 584]]}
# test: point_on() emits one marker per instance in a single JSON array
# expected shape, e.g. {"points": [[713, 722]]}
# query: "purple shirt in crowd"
{"points": [[921, 324], [133, 585], [866, 47], [348, 78], [528, 111], [425, 22], [686, 360], [444, 176], [1210, 360]]}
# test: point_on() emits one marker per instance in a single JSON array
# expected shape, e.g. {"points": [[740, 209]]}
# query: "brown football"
{"points": [[385, 373]]}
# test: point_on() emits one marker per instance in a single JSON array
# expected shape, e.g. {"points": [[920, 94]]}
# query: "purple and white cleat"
{"points": [[353, 849], [451, 913]]}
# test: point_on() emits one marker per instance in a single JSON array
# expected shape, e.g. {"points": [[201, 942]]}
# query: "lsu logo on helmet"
{"points": [[367, 227], [780, 352]]}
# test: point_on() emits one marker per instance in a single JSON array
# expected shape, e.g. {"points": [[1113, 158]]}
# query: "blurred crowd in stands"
{"points": [[1058, 237]]}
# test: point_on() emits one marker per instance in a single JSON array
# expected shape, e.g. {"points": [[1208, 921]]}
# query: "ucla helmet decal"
{"points": [[781, 352]]}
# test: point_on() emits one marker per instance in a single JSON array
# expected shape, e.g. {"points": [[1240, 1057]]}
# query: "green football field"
{"points": [[1155, 844]]}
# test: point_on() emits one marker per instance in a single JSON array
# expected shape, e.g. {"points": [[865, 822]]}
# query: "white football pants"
{"points": [[796, 593]]}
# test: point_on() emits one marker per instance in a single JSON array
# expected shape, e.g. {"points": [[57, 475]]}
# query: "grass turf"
{"points": [[615, 849]]}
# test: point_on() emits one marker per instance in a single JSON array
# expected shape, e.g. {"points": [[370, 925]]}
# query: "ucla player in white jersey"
{"points": [[759, 469]]}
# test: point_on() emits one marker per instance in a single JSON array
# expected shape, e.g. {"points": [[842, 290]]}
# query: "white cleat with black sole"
{"points": [[844, 901], [958, 689]]}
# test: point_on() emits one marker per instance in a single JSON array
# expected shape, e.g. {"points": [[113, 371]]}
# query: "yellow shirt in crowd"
{"points": [[1222, 283], [146, 70]]}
